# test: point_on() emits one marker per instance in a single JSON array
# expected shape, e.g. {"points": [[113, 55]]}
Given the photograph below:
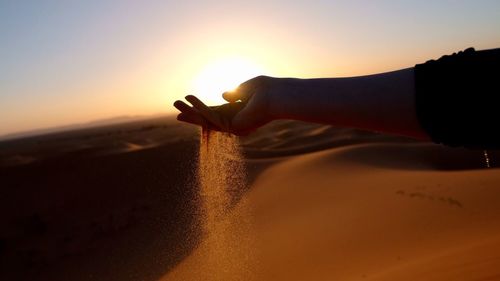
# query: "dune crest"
{"points": [[343, 214]]}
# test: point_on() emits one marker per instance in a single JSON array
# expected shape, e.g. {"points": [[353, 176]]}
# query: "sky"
{"points": [[65, 62]]}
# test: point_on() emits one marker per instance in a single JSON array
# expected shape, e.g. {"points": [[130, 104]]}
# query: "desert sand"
{"points": [[319, 203]]}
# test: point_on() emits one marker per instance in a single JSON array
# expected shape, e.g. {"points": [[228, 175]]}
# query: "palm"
{"points": [[214, 117], [247, 109]]}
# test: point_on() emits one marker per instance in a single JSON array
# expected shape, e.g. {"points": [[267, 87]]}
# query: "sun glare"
{"points": [[222, 75]]}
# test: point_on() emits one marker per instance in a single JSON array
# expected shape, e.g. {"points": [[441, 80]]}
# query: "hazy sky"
{"points": [[63, 62]]}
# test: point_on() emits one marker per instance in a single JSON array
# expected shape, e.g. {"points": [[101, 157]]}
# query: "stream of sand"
{"points": [[227, 250]]}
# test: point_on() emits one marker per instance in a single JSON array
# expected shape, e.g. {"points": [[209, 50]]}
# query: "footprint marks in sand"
{"points": [[425, 196]]}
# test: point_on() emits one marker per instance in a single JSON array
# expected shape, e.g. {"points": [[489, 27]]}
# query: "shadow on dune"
{"points": [[127, 216], [87, 209], [94, 207]]}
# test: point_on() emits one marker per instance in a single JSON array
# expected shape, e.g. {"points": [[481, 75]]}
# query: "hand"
{"points": [[250, 106]]}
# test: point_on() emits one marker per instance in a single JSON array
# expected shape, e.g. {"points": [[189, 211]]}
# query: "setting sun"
{"points": [[222, 75]]}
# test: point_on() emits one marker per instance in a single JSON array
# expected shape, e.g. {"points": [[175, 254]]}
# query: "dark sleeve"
{"points": [[457, 98]]}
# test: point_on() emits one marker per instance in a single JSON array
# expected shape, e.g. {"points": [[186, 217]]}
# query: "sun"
{"points": [[222, 75]]}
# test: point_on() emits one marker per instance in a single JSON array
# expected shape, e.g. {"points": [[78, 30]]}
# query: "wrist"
{"points": [[282, 94]]}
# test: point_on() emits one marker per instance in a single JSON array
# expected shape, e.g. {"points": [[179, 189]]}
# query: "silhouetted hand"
{"points": [[249, 107]]}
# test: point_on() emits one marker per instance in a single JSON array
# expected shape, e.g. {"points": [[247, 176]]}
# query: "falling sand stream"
{"points": [[227, 253]]}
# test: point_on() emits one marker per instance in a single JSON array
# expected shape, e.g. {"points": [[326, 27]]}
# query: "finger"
{"points": [[193, 119], [204, 110], [185, 118], [183, 107], [232, 96], [244, 91], [190, 115], [197, 120]]}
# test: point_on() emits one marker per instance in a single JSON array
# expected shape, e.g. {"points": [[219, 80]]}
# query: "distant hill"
{"points": [[94, 123]]}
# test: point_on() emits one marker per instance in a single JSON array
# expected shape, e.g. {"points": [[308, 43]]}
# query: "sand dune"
{"points": [[370, 212], [321, 203], [289, 138]]}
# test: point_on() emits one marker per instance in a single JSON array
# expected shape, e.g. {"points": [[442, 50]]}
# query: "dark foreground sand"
{"points": [[119, 203]]}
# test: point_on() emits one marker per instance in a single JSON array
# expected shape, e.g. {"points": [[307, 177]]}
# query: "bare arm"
{"points": [[382, 102]]}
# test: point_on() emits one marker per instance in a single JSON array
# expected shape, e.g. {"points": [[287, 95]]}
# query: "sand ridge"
{"points": [[330, 215]]}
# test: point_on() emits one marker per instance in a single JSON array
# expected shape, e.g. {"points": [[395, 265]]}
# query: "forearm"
{"points": [[382, 102]]}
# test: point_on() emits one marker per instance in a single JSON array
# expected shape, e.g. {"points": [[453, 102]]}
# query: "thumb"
{"points": [[245, 90], [232, 96]]}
